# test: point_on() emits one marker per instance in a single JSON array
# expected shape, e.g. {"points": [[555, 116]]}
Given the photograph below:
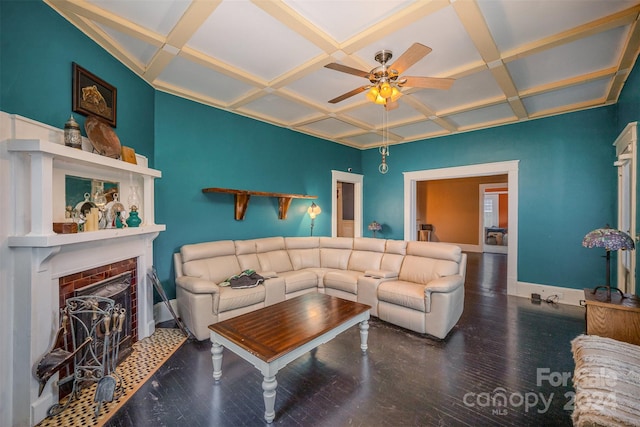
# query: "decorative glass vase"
{"points": [[134, 220], [134, 196]]}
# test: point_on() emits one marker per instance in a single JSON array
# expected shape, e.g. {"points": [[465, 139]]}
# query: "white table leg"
{"points": [[216, 357], [269, 386], [364, 334]]}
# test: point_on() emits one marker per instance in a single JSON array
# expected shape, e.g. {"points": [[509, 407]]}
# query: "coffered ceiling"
{"points": [[512, 60]]}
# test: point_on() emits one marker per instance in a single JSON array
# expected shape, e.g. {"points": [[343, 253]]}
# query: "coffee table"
{"points": [[271, 337]]}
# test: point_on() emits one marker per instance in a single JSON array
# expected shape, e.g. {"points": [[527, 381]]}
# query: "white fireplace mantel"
{"points": [[33, 165]]}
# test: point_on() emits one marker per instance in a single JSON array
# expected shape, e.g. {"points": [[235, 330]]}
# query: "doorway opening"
{"points": [[345, 209], [346, 205], [494, 227], [510, 168]]}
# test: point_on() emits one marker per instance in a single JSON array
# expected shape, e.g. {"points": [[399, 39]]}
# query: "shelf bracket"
{"points": [[241, 198]]}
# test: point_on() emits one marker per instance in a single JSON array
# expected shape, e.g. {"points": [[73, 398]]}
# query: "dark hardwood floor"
{"points": [[502, 365]]}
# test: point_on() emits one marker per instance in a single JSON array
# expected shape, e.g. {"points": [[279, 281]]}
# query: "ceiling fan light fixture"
{"points": [[395, 94], [373, 94], [385, 90]]}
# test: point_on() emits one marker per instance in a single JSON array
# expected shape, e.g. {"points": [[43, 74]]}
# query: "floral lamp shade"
{"points": [[611, 240], [375, 226], [608, 238]]}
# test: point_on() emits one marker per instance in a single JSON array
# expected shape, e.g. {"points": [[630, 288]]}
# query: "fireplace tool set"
{"points": [[89, 339]]}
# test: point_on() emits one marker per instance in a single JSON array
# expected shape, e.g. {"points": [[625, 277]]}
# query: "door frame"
{"points": [[626, 162], [482, 190], [356, 180], [509, 167]]}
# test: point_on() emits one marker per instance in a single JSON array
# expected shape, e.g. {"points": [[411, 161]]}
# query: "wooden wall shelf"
{"points": [[242, 200]]}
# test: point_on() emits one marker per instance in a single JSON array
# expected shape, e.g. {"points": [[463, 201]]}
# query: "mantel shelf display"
{"points": [[242, 200], [41, 191]]}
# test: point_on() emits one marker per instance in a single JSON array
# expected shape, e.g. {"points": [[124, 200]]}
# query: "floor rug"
{"points": [[147, 356]]}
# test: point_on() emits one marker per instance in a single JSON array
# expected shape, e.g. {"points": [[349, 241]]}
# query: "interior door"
{"points": [[626, 148], [345, 209]]}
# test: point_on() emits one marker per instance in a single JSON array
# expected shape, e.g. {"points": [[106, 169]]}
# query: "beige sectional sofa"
{"points": [[416, 285]]}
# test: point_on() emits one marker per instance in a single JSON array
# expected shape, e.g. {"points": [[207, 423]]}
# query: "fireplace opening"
{"points": [[117, 288], [117, 281]]}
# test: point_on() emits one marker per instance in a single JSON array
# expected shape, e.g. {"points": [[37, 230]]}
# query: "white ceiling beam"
{"points": [[566, 83], [397, 21], [628, 58], [289, 17], [219, 66], [473, 21], [570, 108], [195, 15], [619, 19], [103, 17]]}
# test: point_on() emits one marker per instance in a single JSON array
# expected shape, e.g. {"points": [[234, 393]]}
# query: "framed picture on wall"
{"points": [[92, 96]]}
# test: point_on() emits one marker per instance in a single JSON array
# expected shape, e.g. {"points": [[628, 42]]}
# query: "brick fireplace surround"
{"points": [[74, 282], [35, 261]]}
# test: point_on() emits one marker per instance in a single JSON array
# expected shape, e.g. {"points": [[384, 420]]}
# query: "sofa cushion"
{"points": [[277, 261], [435, 250], [298, 280], [346, 281], [422, 270], [247, 256], [304, 252], [207, 250], [426, 261], [231, 299], [394, 253], [366, 255], [272, 255], [213, 261], [404, 294], [335, 252]]}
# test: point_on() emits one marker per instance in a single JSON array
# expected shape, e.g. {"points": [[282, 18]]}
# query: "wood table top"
{"points": [[273, 331], [629, 302]]}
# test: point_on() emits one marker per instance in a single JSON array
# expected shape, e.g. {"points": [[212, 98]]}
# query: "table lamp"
{"points": [[612, 240]]}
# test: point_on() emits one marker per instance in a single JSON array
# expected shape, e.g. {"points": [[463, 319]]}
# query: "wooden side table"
{"points": [[618, 319]]}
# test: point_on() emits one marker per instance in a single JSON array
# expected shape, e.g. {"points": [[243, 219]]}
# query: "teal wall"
{"points": [[629, 111], [567, 185], [200, 147], [37, 49]]}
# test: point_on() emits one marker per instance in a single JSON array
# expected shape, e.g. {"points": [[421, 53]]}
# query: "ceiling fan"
{"points": [[385, 79]]}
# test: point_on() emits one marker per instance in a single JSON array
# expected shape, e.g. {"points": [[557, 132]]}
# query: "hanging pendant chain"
{"points": [[384, 148]]}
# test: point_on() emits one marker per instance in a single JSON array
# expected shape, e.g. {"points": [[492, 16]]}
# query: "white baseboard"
{"points": [[162, 314], [566, 295]]}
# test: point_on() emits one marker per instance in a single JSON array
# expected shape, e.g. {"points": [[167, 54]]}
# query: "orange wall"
{"points": [[503, 210], [503, 206], [453, 207]]}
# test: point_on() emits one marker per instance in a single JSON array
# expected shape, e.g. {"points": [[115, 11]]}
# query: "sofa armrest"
{"points": [[197, 285], [442, 285], [381, 274], [268, 274]]}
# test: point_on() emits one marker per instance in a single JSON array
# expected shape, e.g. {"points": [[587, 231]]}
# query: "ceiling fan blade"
{"points": [[410, 56], [428, 82], [391, 105], [348, 70], [348, 94]]}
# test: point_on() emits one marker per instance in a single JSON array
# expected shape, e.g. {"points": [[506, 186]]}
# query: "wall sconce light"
{"points": [[313, 211]]}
